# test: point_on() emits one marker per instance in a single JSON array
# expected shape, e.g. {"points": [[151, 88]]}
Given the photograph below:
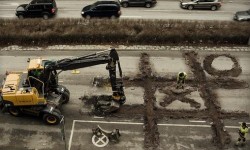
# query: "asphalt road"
{"points": [[30, 133], [163, 10]]}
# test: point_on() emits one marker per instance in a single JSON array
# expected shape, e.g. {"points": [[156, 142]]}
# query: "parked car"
{"points": [[102, 9], [201, 4], [142, 3], [242, 15], [37, 8]]}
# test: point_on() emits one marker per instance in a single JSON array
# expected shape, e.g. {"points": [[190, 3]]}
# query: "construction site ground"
{"points": [[203, 116]]}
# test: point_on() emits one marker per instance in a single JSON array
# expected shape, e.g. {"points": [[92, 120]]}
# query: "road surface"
{"points": [[163, 10], [175, 134]]}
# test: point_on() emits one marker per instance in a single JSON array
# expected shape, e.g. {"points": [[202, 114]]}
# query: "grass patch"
{"points": [[38, 32]]}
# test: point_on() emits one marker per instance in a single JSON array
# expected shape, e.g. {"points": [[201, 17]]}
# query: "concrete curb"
{"points": [[129, 48]]}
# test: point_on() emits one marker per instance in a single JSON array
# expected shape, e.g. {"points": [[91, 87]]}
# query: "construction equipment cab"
{"points": [[37, 92]]}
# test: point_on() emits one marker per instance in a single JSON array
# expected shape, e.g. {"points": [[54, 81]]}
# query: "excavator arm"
{"points": [[109, 57], [102, 57]]}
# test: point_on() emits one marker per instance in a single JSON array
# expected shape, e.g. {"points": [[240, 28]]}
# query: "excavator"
{"points": [[37, 92]]}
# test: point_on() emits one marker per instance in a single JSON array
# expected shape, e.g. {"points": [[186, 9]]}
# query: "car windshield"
{"points": [[27, 6], [248, 11], [92, 6]]}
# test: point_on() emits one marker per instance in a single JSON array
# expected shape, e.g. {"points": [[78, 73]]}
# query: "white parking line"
{"points": [[71, 134], [137, 123]]}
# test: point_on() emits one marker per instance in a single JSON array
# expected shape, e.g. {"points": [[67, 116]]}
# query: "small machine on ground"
{"points": [[101, 137]]}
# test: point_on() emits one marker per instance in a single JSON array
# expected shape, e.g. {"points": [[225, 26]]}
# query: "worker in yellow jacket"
{"points": [[242, 133]]}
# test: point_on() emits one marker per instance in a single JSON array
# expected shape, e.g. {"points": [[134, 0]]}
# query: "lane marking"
{"points": [[97, 117], [106, 122], [246, 122], [163, 10], [130, 16], [199, 121], [140, 123], [185, 125], [71, 134], [7, 16], [6, 9], [10, 4]]}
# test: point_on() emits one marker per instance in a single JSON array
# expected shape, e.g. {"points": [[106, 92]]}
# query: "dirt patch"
{"points": [[227, 83], [151, 81], [234, 72], [151, 138], [221, 136], [173, 94]]}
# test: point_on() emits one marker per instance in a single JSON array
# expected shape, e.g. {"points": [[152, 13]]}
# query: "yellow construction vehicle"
{"points": [[37, 92]]}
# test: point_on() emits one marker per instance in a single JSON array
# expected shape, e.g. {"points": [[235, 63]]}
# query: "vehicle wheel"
{"points": [[125, 4], [87, 17], [14, 111], [45, 17], [65, 97], [65, 94], [190, 7], [52, 119], [20, 16], [148, 5], [213, 8]]}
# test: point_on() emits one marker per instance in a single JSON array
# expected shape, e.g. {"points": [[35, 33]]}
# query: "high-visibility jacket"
{"points": [[243, 131]]}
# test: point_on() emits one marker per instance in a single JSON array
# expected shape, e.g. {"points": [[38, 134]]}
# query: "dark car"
{"points": [[102, 9], [37, 8], [242, 15], [142, 3], [201, 4]]}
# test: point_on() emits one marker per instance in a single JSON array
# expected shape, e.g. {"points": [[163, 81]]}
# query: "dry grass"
{"points": [[151, 32]]}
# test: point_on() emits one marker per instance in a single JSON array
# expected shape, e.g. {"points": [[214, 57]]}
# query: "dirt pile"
{"points": [[221, 136], [151, 138], [205, 85]]}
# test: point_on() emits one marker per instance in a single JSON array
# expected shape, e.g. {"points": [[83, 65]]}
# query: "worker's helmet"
{"points": [[181, 74], [244, 124]]}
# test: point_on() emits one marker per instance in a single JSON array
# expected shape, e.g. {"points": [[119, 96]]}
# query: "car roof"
{"points": [[106, 2], [113, 5], [41, 1]]}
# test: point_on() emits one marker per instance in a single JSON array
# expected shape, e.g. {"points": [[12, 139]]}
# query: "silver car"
{"points": [[200, 4], [242, 15]]}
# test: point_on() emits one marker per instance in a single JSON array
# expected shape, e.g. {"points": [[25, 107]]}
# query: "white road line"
{"points": [[14, 4], [7, 16], [140, 123], [130, 16], [199, 121], [163, 10], [246, 122], [71, 134], [8, 9], [232, 127], [106, 122], [98, 117], [185, 125]]}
